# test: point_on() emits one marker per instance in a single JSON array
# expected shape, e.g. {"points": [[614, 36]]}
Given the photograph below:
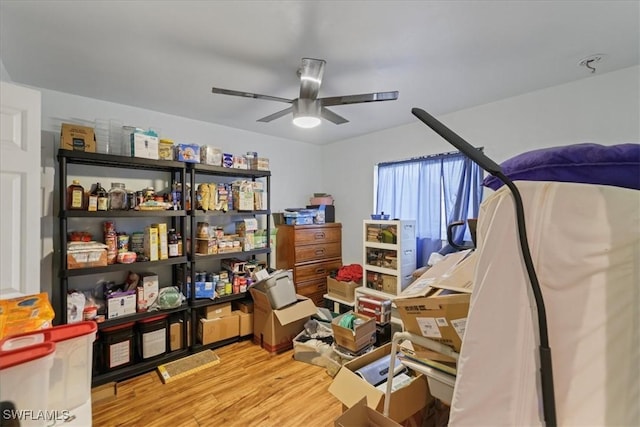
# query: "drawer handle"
{"points": [[320, 270], [320, 235], [320, 251]]}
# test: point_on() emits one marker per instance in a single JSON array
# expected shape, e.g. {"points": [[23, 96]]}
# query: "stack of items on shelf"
{"points": [[323, 203], [217, 323], [220, 322], [111, 137], [252, 237], [119, 198], [436, 307], [301, 216], [155, 243], [139, 293], [212, 240]]}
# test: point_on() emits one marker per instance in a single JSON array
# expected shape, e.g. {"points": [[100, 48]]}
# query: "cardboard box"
{"points": [[245, 306], [121, 303], [87, 259], [188, 153], [350, 389], [355, 339], [175, 335], [78, 138], [163, 243], [274, 330], [441, 318], [437, 304], [217, 310], [362, 416], [455, 272], [214, 330], [150, 287], [151, 243], [344, 291], [246, 322]]}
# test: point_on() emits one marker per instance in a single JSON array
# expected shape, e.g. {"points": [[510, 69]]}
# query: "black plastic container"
{"points": [[152, 337], [117, 346]]}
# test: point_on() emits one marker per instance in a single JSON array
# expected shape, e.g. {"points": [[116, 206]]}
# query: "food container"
{"points": [[24, 375], [152, 336], [86, 254], [70, 377], [118, 345], [188, 153]]}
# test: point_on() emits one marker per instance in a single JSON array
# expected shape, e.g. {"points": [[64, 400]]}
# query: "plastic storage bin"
{"points": [[70, 377], [152, 336], [24, 379], [279, 289], [117, 346]]}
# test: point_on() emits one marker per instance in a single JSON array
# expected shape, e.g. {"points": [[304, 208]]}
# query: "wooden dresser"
{"points": [[311, 251]]}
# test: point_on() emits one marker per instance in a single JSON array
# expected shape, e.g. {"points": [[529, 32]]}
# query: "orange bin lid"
{"points": [[55, 334], [11, 358]]}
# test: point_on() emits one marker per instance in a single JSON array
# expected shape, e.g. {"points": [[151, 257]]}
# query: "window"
{"points": [[434, 191]]}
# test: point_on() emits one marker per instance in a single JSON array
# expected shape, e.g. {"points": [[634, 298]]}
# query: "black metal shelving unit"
{"points": [[201, 171], [177, 173], [183, 220]]}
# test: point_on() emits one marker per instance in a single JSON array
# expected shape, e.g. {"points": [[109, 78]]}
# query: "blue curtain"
{"points": [[417, 189]]}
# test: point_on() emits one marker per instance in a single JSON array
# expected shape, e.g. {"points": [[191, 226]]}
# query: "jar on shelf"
{"points": [[75, 196], [117, 197]]}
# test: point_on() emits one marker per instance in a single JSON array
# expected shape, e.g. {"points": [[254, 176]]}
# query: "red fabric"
{"points": [[350, 273]]}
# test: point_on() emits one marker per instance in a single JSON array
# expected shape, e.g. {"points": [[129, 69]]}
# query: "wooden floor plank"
{"points": [[249, 387]]}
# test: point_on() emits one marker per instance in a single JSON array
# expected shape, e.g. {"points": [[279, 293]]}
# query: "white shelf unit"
{"points": [[389, 256]]}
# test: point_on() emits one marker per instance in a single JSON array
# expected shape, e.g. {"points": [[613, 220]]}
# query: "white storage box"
{"points": [[70, 378], [279, 288], [24, 375]]}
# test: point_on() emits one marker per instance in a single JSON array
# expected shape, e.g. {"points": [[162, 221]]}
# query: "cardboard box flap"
{"points": [[301, 309], [259, 298], [361, 415], [350, 393], [439, 272]]}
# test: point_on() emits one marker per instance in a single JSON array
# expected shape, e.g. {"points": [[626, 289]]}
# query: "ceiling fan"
{"points": [[308, 108]]}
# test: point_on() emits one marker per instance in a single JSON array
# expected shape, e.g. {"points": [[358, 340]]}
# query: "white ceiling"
{"points": [[441, 56]]}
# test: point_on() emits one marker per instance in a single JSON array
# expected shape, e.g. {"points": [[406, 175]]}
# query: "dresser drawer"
{"points": [[314, 290], [310, 236], [317, 270], [317, 252]]}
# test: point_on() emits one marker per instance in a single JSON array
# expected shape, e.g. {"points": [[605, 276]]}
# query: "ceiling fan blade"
{"points": [[357, 99], [332, 117], [277, 115], [249, 95], [311, 73]]}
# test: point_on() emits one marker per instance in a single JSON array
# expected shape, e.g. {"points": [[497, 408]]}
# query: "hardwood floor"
{"points": [[249, 387]]}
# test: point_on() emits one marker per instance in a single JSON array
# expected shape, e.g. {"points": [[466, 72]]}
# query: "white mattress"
{"points": [[585, 244]]}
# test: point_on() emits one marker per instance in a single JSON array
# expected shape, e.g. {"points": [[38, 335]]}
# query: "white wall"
{"points": [[601, 108], [294, 176]]}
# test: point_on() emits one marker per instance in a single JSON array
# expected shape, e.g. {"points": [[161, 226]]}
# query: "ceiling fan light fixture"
{"points": [[306, 122], [306, 113]]}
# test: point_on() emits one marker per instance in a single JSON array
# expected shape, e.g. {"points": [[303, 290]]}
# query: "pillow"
{"points": [[617, 165]]}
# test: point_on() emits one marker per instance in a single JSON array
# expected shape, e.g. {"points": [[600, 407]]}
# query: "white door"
{"points": [[19, 191]]}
